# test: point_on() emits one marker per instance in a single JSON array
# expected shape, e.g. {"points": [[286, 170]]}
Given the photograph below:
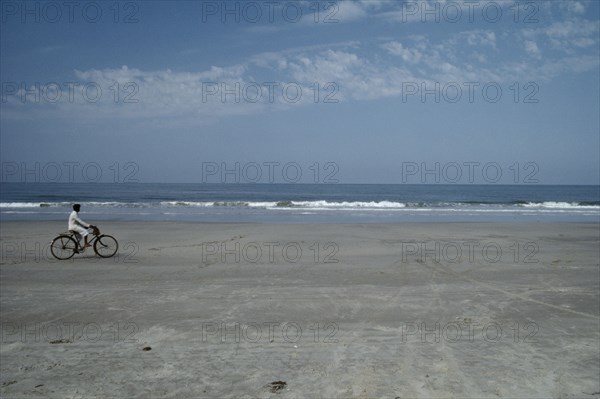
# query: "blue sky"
{"points": [[375, 87]]}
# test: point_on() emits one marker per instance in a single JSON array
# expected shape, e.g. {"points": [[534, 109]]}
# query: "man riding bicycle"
{"points": [[79, 226], [65, 245]]}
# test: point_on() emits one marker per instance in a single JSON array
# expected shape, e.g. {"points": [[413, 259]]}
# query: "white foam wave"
{"points": [[319, 205], [31, 204], [347, 205], [19, 205], [559, 205], [187, 203]]}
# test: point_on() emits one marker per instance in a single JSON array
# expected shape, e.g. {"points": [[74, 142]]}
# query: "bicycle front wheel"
{"points": [[106, 246], [63, 247]]}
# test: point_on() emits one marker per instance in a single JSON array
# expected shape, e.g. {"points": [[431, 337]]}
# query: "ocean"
{"points": [[300, 203]]}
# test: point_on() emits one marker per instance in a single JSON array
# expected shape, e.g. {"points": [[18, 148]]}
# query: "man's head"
{"points": [[76, 207]]}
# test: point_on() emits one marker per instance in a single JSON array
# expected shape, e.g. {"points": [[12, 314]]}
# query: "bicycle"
{"points": [[66, 245]]}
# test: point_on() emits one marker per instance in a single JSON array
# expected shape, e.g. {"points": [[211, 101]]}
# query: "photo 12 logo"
{"points": [[69, 172], [254, 12], [467, 331], [269, 92], [71, 12], [268, 332], [470, 11], [469, 172], [270, 172], [291, 252], [471, 92], [68, 332], [470, 252], [15, 252], [69, 92]]}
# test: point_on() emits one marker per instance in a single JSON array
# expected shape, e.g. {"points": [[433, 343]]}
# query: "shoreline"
{"points": [[313, 217]]}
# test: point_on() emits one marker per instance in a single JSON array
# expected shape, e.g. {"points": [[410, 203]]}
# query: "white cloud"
{"points": [[565, 35], [577, 8], [358, 71], [346, 11], [571, 7], [329, 66], [570, 65], [474, 38], [532, 49], [480, 38], [583, 42], [569, 29], [408, 55], [479, 57]]}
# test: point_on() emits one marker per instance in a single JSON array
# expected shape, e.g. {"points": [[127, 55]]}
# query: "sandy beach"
{"points": [[430, 310]]}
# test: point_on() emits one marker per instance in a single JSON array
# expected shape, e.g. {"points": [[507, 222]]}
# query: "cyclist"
{"points": [[79, 226]]}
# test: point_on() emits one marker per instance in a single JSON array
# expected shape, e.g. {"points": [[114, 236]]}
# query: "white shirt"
{"points": [[75, 222]]}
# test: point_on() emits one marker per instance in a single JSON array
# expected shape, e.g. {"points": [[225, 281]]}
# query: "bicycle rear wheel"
{"points": [[63, 247], [106, 246]]}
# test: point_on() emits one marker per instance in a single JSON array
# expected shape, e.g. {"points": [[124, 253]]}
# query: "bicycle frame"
{"points": [[95, 233]]}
